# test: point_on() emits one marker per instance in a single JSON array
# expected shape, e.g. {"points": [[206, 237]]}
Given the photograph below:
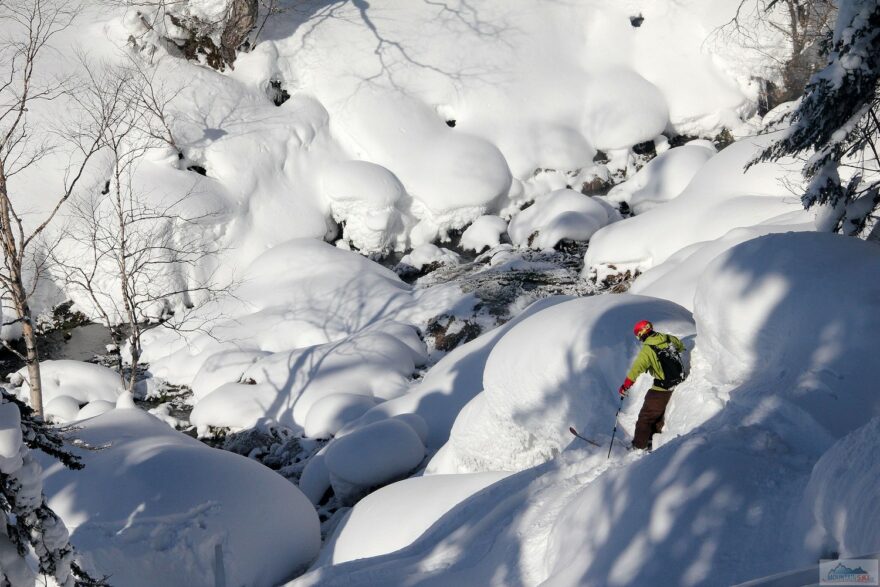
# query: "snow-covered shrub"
{"points": [[30, 526]]}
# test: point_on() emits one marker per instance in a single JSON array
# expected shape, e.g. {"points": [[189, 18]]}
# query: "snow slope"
{"points": [[776, 419]]}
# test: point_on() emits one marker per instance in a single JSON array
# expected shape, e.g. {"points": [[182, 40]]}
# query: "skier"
{"points": [[659, 356]]}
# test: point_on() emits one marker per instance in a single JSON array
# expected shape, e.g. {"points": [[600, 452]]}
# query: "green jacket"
{"points": [[647, 362]]}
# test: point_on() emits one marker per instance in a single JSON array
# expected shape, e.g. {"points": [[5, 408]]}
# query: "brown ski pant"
{"points": [[650, 420]]}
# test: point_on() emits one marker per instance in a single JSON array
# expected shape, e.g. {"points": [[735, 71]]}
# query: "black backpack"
{"points": [[670, 362]]}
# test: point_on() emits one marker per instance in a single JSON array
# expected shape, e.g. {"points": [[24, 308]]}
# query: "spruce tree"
{"points": [[30, 529], [837, 123]]}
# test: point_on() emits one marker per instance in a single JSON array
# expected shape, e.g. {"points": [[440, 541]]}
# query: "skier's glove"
{"points": [[627, 383]]}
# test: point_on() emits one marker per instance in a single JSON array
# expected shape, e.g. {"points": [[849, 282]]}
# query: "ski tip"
{"points": [[572, 430]]}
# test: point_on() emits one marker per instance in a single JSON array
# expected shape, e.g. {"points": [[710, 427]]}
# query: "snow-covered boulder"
{"points": [[623, 109], [562, 214], [333, 411], [557, 368], [367, 197], [373, 527], [95, 408], [664, 177], [427, 254], [453, 176], [372, 456], [484, 233], [223, 367], [719, 198], [83, 382], [62, 408], [156, 507]]}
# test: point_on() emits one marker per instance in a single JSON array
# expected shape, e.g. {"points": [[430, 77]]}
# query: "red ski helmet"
{"points": [[642, 329]]}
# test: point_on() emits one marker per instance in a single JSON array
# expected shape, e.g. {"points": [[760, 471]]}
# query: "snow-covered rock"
{"points": [[562, 214], [664, 177], [373, 527], [83, 382], [623, 109], [62, 408], [95, 408], [300, 293], [10, 438], [368, 199], [559, 367], [448, 385], [154, 506], [484, 233], [373, 455], [428, 254], [333, 411]]}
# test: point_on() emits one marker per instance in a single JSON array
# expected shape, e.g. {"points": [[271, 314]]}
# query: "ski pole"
{"points": [[613, 432]]}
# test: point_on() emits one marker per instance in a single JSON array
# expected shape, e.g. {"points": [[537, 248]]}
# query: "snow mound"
{"points": [[373, 455], [484, 233], [454, 177], [95, 408], [796, 309], [62, 408], [623, 109], [156, 507], [284, 386], [332, 412], [425, 255], [559, 367], [719, 198], [449, 385], [83, 382], [561, 215], [663, 178], [367, 198], [298, 294], [373, 526]]}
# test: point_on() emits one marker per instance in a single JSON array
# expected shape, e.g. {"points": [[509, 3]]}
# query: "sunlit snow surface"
{"points": [[410, 120]]}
